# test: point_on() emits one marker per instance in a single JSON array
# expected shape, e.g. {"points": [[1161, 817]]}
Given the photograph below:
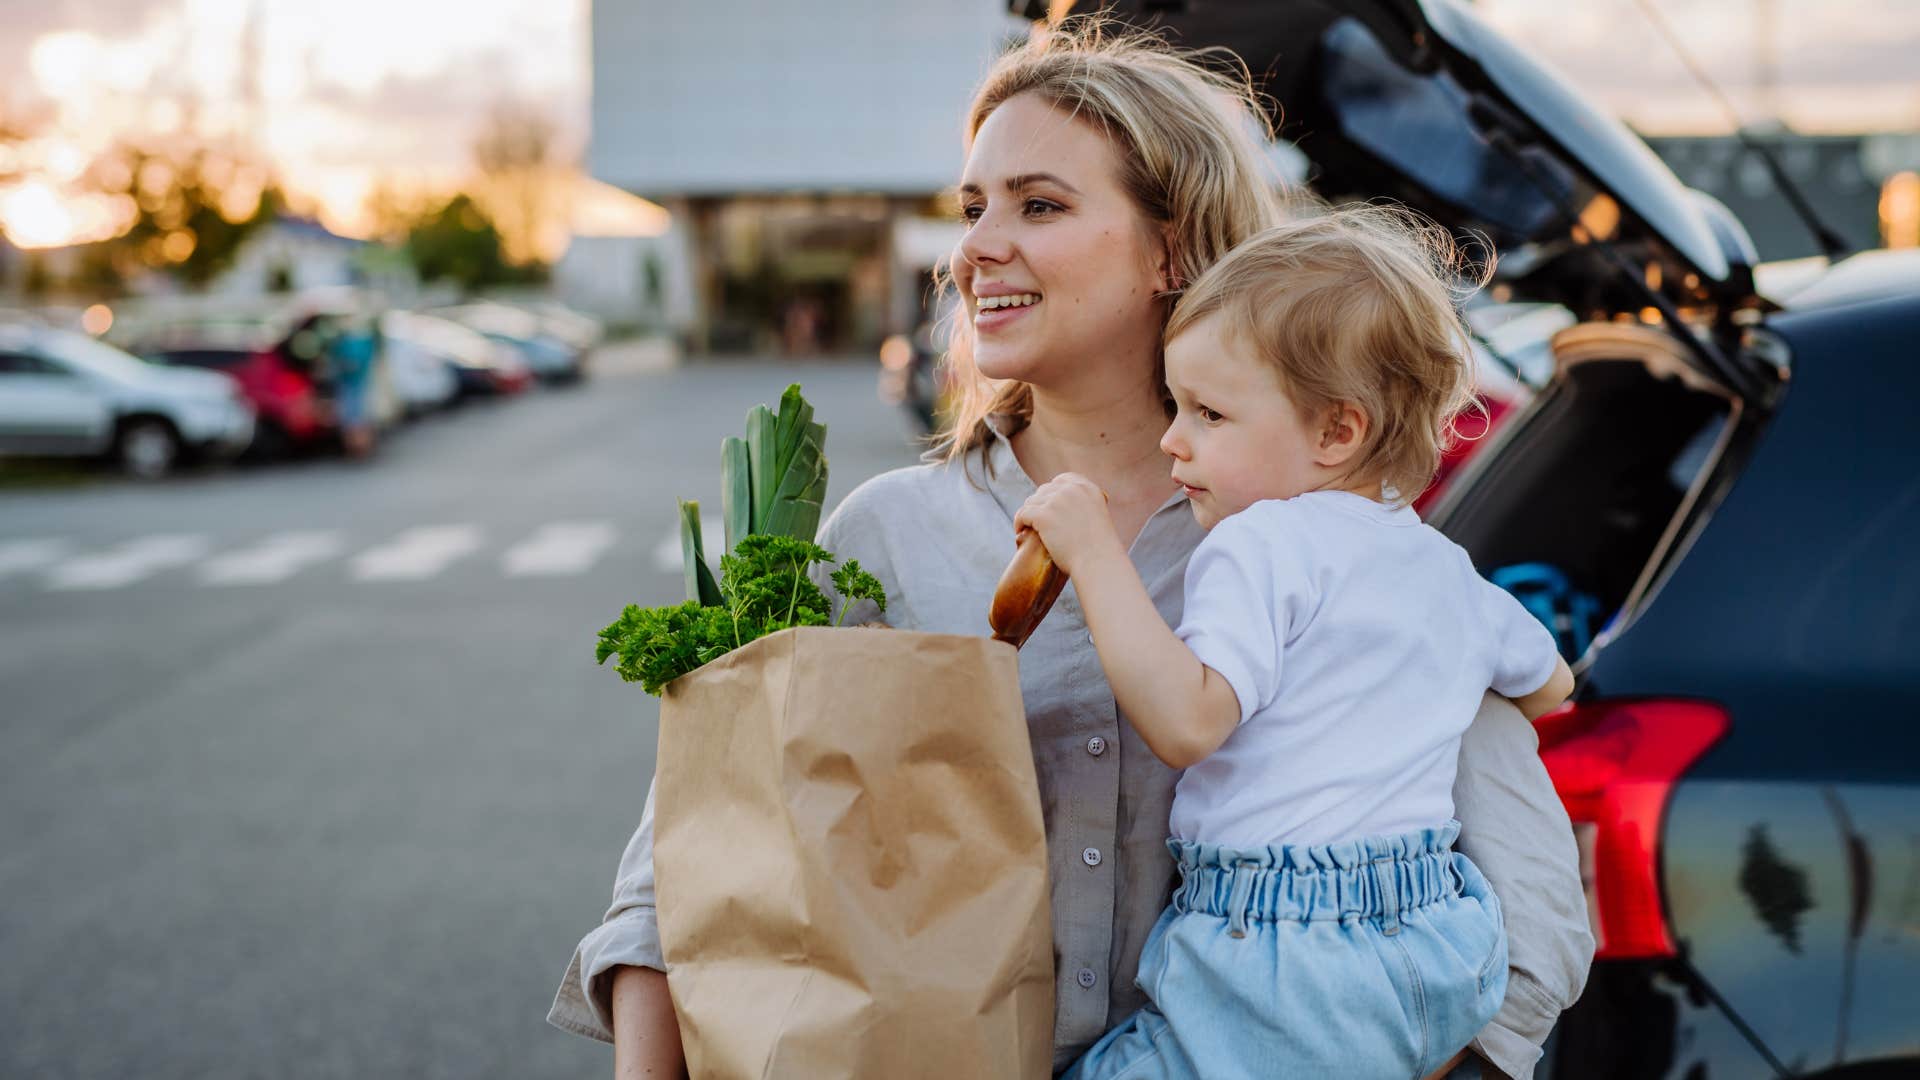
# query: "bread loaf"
{"points": [[1026, 591]]}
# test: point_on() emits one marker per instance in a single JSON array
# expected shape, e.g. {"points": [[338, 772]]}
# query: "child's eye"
{"points": [[1208, 415]]}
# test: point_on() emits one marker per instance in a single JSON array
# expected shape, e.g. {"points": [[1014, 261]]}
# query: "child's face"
{"points": [[1237, 438]]}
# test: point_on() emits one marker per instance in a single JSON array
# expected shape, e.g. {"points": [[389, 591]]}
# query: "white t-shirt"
{"points": [[1360, 642]]}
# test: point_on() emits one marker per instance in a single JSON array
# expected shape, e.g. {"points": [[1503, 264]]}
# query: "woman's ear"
{"points": [[1163, 264], [1343, 434]]}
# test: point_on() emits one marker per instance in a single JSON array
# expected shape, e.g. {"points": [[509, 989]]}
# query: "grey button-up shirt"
{"points": [[939, 536]]}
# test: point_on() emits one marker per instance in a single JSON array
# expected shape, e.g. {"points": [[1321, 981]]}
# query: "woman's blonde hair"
{"points": [[1355, 305], [1188, 133]]}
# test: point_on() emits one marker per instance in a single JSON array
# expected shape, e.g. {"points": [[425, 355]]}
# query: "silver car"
{"points": [[64, 394]]}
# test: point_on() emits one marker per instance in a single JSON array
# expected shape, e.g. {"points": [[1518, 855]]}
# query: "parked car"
{"points": [[1512, 359], [913, 369], [575, 328], [1712, 501], [553, 358], [295, 414], [481, 366], [426, 381], [64, 394]]}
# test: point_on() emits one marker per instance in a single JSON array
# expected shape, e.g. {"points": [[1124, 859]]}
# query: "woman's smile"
{"points": [[992, 313]]}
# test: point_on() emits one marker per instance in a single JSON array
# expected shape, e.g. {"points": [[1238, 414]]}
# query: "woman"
{"points": [[1102, 174]]}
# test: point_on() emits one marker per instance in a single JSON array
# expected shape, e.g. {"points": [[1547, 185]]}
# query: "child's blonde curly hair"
{"points": [[1356, 305]]}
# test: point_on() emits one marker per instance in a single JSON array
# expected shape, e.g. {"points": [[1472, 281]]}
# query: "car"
{"points": [[295, 414], [1512, 359], [913, 370], [576, 328], [62, 393], [481, 366], [1711, 499], [553, 358], [291, 354], [425, 381]]}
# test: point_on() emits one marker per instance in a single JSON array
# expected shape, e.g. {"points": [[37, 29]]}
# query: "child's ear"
{"points": [[1343, 434]]}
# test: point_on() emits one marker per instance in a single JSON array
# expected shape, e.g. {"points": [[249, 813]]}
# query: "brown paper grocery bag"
{"points": [[850, 860]]}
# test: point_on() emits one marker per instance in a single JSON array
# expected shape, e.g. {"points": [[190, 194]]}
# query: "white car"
{"points": [[480, 364], [63, 393], [423, 378]]}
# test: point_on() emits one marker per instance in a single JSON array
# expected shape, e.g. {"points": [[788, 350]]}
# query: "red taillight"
{"points": [[1614, 763]]}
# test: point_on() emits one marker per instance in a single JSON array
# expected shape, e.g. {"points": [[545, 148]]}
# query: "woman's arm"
{"points": [[1515, 830], [628, 937], [646, 1037]]}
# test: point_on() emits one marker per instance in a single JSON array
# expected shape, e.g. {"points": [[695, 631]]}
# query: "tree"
{"points": [[393, 210], [523, 179], [193, 206], [459, 243], [13, 132]]}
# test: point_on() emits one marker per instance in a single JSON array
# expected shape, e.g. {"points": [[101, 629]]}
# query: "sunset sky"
{"points": [[349, 91]]}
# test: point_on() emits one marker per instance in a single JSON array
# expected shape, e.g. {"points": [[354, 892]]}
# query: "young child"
{"points": [[1332, 652]]}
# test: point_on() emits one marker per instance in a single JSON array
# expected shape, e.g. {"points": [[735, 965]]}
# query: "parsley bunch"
{"points": [[764, 588]]}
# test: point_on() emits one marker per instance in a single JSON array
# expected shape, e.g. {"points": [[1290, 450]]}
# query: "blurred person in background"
{"points": [[350, 352]]}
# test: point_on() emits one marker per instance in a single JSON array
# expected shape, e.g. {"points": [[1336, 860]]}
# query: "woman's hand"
{"points": [[1070, 514]]}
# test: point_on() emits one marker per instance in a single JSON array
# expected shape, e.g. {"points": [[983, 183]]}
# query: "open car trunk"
{"points": [[1591, 491]]}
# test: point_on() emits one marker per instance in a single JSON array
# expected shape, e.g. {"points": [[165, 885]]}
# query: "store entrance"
{"points": [[801, 276]]}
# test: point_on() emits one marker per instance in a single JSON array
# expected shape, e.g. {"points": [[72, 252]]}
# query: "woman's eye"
{"points": [[1031, 208]]}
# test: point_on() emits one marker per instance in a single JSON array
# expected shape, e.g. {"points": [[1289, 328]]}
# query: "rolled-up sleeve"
{"points": [[629, 935], [1515, 830]]}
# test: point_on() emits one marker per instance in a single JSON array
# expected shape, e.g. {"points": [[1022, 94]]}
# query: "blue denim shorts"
{"points": [[1380, 957]]}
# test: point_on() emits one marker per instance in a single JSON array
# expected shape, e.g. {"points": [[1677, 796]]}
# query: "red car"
{"points": [[293, 414]]}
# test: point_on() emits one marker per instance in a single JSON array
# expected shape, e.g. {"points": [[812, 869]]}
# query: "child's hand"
{"points": [[1070, 514]]}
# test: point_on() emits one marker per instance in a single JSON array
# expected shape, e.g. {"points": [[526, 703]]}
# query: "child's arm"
{"points": [[1549, 697], [1183, 709]]}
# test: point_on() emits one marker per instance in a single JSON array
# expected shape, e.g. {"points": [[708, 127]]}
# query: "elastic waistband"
{"points": [[1373, 877]]}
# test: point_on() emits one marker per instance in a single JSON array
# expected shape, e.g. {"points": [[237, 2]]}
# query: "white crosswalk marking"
{"points": [[416, 554], [273, 559], [128, 563], [560, 547], [666, 553], [19, 556]]}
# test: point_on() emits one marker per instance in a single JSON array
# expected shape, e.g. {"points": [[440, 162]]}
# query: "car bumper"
{"points": [[228, 438]]}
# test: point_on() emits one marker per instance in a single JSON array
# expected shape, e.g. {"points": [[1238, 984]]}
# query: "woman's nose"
{"points": [[985, 241]]}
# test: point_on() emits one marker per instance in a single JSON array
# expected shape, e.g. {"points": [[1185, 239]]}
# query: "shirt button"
{"points": [[1086, 978], [1096, 746], [1091, 856]]}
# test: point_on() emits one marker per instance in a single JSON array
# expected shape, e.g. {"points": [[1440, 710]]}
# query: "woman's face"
{"points": [[1058, 268]]}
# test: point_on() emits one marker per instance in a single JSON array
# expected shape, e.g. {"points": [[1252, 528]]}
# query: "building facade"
{"points": [[802, 151]]}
